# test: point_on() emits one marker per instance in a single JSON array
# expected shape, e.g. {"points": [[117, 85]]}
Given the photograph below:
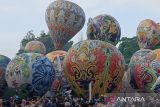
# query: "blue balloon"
{"points": [[43, 74]]}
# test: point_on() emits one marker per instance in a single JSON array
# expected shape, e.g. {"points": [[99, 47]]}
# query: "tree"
{"points": [[47, 41], [128, 47], [44, 38]]}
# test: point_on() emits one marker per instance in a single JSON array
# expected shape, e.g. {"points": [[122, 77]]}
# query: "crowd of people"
{"points": [[73, 101]]}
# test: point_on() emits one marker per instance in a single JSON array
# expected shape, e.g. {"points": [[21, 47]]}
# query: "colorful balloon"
{"points": [[104, 28], [147, 34], [146, 71], [136, 60], [43, 74], [19, 71], [36, 47], [59, 83], [96, 61], [30, 73], [64, 19], [3, 65]]}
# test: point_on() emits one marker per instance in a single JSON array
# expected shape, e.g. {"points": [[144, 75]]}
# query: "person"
{"points": [[1, 103], [23, 103], [67, 103]]}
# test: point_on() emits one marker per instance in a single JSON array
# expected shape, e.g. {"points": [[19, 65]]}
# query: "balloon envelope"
{"points": [[147, 34], [57, 57], [30, 73], [146, 71], [134, 61], [36, 47], [104, 28], [3, 65], [19, 71], [64, 19], [96, 61], [43, 74]]}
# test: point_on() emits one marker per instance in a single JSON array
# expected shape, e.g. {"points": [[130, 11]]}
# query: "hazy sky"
{"points": [[19, 16]]}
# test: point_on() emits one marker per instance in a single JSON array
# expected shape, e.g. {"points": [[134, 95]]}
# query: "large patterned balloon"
{"points": [[36, 47], [64, 19], [19, 71], [147, 71], [96, 61], [43, 74], [3, 65], [56, 57], [30, 73], [104, 28], [136, 60], [147, 34]]}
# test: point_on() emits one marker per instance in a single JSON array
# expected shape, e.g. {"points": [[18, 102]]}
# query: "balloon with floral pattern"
{"points": [[96, 61], [64, 19], [36, 47], [59, 83], [104, 28], [27, 74], [3, 65], [147, 34]]}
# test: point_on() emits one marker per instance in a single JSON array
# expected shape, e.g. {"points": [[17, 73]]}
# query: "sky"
{"points": [[17, 17]]}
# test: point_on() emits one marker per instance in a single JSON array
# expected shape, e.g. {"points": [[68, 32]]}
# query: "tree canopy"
{"points": [[128, 46], [45, 38]]}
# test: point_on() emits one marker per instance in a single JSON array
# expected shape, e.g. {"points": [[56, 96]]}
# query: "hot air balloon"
{"points": [[147, 34], [64, 19], [136, 60], [43, 74], [28, 72], [147, 71], [36, 47], [104, 28], [59, 83], [3, 65], [94, 61]]}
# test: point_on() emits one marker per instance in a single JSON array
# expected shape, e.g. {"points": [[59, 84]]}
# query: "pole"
{"points": [[90, 91]]}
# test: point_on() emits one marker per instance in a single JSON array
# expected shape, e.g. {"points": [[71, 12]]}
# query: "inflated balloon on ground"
{"points": [[104, 28], [3, 65], [19, 71], [43, 74], [64, 19], [56, 57], [96, 61], [36, 47], [147, 34], [30, 73], [147, 71], [134, 61]]}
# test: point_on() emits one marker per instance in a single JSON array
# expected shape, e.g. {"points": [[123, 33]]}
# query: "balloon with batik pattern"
{"points": [[64, 19], [30, 73], [96, 61], [43, 74], [59, 83], [147, 34], [36, 47], [147, 71], [3, 65], [136, 60], [104, 28]]}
